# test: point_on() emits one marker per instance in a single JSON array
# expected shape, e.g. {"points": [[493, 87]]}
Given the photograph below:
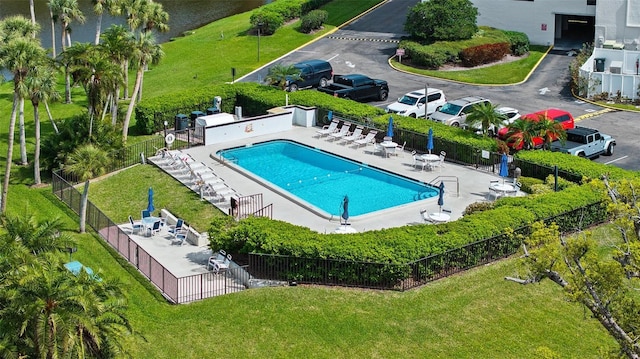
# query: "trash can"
{"points": [[181, 122], [600, 64], [194, 115]]}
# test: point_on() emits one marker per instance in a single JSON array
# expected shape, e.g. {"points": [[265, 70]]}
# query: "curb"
{"points": [[593, 114]]}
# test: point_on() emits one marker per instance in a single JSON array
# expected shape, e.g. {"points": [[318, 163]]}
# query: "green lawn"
{"points": [[473, 315]]}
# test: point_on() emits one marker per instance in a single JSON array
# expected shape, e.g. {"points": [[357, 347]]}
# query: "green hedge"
{"points": [[273, 15], [436, 54]]}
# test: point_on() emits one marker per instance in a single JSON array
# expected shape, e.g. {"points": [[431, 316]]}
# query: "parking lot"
{"points": [[366, 44]]}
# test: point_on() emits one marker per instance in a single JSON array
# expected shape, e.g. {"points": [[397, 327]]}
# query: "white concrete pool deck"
{"points": [[473, 184]]}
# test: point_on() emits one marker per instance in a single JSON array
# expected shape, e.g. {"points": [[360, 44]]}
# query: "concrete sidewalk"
{"points": [[463, 185]]}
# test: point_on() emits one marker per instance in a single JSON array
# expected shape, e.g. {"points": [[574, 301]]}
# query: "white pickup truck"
{"points": [[585, 142], [412, 104]]}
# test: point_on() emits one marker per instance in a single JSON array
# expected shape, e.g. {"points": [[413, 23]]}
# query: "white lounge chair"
{"points": [[369, 138], [328, 129], [353, 136], [344, 130]]}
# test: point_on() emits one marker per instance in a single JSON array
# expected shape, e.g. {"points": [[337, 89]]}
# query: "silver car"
{"points": [[454, 113]]}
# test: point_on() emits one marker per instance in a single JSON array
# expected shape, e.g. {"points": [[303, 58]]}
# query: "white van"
{"points": [[413, 103]]}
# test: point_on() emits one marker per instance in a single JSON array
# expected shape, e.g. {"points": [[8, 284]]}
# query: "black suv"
{"points": [[314, 73]]}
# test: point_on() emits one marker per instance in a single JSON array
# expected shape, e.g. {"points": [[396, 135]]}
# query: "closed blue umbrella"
{"points": [[441, 195], [390, 127], [430, 140], [504, 169], [345, 209], [150, 206]]}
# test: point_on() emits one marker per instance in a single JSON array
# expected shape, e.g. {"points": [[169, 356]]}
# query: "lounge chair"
{"points": [[355, 135], [344, 130], [135, 226], [369, 138], [328, 129], [219, 190]]}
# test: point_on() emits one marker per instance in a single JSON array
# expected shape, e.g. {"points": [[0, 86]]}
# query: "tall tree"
{"points": [[66, 11], [19, 53], [41, 87], [52, 4], [117, 43], [98, 74], [485, 115], [86, 162], [99, 7], [600, 275], [145, 51], [32, 11]]}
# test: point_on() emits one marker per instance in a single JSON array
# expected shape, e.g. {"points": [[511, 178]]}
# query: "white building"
{"points": [[612, 25]]}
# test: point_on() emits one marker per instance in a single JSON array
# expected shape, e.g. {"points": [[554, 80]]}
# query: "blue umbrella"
{"points": [[345, 209], [150, 206], [441, 195], [504, 169], [390, 127], [430, 140]]}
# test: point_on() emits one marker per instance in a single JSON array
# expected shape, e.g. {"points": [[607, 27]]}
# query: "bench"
{"points": [[193, 237]]}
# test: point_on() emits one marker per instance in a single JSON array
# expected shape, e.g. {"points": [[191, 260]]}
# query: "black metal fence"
{"points": [[410, 275], [175, 289]]}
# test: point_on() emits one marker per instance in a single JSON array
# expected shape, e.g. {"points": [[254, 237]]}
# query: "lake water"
{"points": [[183, 15]]}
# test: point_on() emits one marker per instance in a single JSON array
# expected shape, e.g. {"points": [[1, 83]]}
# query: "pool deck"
{"points": [[473, 184]]}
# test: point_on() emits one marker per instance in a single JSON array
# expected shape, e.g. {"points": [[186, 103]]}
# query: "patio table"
{"points": [[148, 222]]}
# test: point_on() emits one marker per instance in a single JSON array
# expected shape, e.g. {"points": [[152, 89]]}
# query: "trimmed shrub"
{"points": [[270, 20], [313, 20], [518, 41], [484, 54]]}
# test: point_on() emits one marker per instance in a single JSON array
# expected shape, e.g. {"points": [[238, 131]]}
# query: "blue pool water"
{"points": [[323, 179]]}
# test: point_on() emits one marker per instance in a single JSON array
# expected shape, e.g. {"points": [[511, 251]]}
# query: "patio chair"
{"points": [[173, 229], [400, 149], [418, 161], [135, 226], [216, 258], [146, 213], [221, 265], [155, 228], [344, 130], [180, 237], [369, 138], [328, 129], [355, 135]]}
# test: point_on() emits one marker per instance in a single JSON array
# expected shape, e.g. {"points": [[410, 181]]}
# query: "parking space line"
{"points": [[616, 160]]}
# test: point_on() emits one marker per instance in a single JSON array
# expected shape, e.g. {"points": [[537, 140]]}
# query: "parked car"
{"points": [[454, 113], [357, 87], [511, 114], [556, 115], [585, 142], [412, 104], [313, 73]]}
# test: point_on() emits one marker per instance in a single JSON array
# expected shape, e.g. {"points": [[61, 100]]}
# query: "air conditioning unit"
{"points": [[616, 67]]}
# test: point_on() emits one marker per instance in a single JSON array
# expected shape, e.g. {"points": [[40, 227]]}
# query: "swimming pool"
{"points": [[322, 179]]}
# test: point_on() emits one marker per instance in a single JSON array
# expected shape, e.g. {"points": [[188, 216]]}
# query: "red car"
{"points": [[559, 116]]}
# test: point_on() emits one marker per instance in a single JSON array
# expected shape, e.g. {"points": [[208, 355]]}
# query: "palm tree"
{"points": [[145, 51], [19, 53], [485, 116], [117, 43], [66, 11], [86, 162], [99, 6], [34, 236], [41, 86], [521, 133], [51, 313], [279, 75], [549, 131], [97, 73], [32, 11]]}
